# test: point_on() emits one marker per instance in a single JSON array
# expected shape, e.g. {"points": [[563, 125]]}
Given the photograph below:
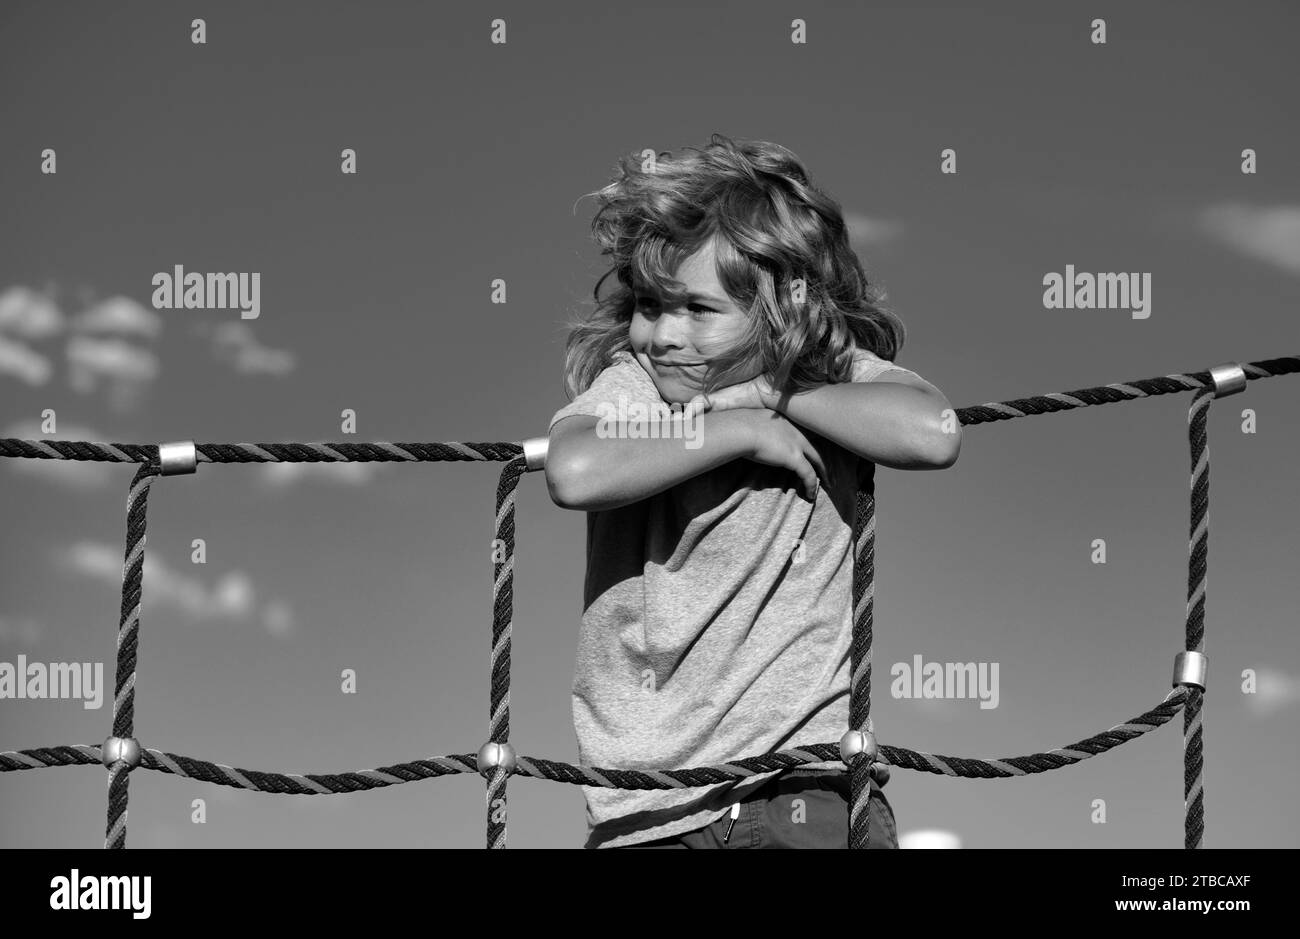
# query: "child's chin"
{"points": [[682, 396], [674, 392]]}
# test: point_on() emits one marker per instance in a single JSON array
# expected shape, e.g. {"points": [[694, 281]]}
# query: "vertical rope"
{"points": [[1197, 571], [864, 590], [503, 586], [128, 632]]}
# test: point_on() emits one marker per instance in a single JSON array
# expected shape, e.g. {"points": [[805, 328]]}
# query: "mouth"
{"points": [[674, 364]]}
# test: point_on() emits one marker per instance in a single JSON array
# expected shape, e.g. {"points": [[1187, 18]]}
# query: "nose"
{"points": [[669, 333]]}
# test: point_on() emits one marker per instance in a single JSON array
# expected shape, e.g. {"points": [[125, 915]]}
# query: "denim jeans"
{"points": [[802, 809]]}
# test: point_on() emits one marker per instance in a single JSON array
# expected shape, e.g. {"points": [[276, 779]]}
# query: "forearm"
{"points": [[888, 423], [591, 473]]}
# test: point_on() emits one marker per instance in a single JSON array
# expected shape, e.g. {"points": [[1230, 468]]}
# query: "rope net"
{"points": [[496, 760]]}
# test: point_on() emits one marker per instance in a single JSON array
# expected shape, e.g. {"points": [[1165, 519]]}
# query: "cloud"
{"points": [[872, 232], [98, 352], [1266, 233], [23, 362], [79, 475], [120, 316], [28, 313], [233, 597], [109, 345], [352, 473], [277, 618], [928, 838], [234, 344], [1275, 691], [125, 369]]}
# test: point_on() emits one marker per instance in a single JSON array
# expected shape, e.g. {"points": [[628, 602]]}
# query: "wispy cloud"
{"points": [[929, 838], [235, 344], [102, 351], [26, 317], [29, 314], [1266, 233], [232, 598], [109, 349], [122, 369], [281, 475], [119, 316], [21, 361], [1275, 691]]}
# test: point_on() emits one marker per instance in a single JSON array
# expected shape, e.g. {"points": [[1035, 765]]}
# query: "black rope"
{"points": [[264, 452], [609, 778], [1197, 573], [128, 641], [503, 593]]}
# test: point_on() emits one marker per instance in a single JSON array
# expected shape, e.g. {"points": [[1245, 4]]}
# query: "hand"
{"points": [[777, 441], [755, 393]]}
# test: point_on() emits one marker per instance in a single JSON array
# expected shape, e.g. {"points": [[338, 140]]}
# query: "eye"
{"points": [[650, 301]]}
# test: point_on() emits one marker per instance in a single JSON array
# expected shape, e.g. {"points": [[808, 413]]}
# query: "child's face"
{"points": [[674, 346]]}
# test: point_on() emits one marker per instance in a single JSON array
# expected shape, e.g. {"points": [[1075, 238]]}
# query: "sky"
{"points": [[472, 159]]}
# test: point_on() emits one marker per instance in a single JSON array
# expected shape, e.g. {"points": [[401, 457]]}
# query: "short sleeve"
{"points": [[867, 366], [622, 383]]}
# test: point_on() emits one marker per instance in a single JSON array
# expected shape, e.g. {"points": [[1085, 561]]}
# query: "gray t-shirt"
{"points": [[717, 623]]}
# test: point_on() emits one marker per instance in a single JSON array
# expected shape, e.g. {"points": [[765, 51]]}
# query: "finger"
{"points": [[714, 402], [815, 458], [694, 408], [808, 476]]}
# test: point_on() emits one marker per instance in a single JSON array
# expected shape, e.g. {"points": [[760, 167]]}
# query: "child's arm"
{"points": [[591, 473], [895, 422]]}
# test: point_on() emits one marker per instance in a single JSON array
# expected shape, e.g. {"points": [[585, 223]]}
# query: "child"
{"points": [[718, 596]]}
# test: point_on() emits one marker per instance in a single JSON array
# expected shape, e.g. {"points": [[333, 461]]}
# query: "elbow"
{"points": [[944, 447], [562, 479], [936, 434], [558, 485]]}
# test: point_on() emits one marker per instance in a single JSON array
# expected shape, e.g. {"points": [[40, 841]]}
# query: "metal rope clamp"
{"points": [[121, 749], [492, 755], [535, 452], [857, 743], [177, 458], [1228, 379], [1189, 670]]}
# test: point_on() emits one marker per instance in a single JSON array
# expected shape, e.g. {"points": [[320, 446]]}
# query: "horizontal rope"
{"points": [[380, 452], [501, 452], [416, 770], [1118, 392]]}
